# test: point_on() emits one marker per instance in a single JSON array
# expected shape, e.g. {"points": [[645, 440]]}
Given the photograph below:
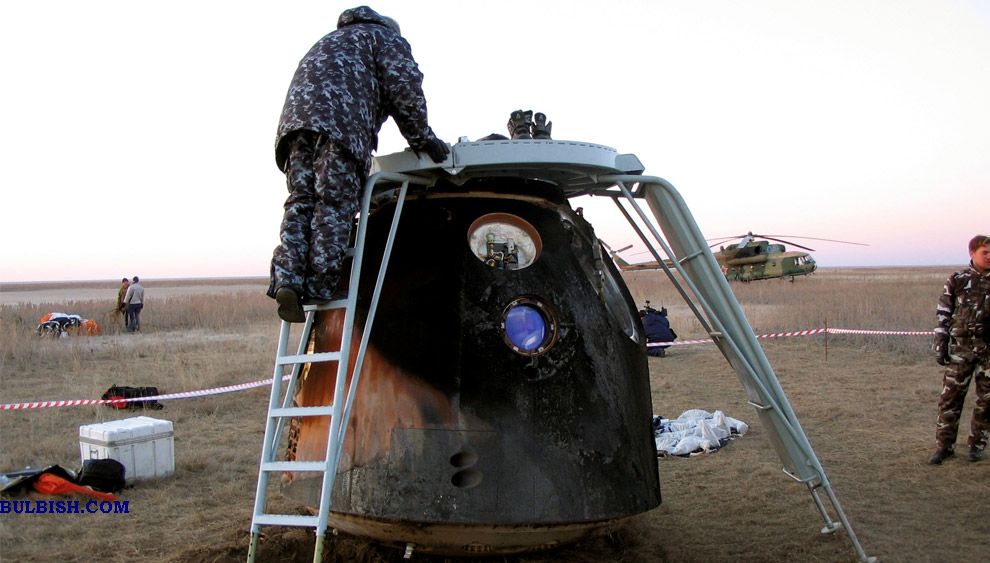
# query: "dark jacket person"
{"points": [[344, 89]]}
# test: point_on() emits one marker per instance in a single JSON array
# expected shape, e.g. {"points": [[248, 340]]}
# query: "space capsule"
{"points": [[504, 401]]}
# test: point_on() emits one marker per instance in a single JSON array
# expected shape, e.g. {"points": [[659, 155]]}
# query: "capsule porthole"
{"points": [[529, 326]]}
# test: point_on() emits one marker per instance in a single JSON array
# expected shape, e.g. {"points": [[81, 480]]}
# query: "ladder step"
{"points": [[320, 466], [323, 410], [307, 358], [326, 305], [285, 520]]}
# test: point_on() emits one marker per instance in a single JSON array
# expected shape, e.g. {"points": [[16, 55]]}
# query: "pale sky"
{"points": [[137, 137]]}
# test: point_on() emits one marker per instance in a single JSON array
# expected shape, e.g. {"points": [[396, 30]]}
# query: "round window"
{"points": [[529, 326], [504, 241]]}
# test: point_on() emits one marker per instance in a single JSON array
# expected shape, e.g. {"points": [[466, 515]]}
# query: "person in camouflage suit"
{"points": [[962, 345], [121, 310], [344, 89]]}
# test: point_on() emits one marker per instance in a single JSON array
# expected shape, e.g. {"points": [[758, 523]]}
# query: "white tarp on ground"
{"points": [[695, 431]]}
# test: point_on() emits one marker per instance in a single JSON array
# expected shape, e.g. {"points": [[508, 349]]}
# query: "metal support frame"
{"points": [[723, 318], [279, 405]]}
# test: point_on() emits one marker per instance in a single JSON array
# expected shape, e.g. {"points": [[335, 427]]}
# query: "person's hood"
{"points": [[363, 14]]}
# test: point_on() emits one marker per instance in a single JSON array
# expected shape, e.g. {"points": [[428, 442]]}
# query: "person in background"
{"points": [[657, 329], [134, 299], [343, 90], [962, 345], [121, 310]]}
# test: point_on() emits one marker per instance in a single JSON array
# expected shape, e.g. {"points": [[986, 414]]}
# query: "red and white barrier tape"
{"points": [[882, 332], [121, 401], [266, 382], [807, 333]]}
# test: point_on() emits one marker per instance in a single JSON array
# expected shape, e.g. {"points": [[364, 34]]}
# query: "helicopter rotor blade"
{"points": [[748, 237], [722, 240], [787, 242], [824, 239]]}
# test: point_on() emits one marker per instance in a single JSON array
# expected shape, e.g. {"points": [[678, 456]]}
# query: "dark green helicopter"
{"points": [[751, 259]]}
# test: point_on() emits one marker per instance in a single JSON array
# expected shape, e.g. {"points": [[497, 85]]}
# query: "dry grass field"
{"points": [[867, 404]]}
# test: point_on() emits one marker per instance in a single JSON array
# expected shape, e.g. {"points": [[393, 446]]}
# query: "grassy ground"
{"points": [[868, 407]]}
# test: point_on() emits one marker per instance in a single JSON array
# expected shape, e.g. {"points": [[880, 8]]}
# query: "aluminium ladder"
{"points": [[279, 406]]}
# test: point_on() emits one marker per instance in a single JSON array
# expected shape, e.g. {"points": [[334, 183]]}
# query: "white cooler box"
{"points": [[144, 445]]}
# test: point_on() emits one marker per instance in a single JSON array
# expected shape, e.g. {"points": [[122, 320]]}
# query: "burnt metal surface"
{"points": [[453, 427]]}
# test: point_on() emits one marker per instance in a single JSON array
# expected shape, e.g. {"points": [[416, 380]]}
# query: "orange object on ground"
{"points": [[49, 484], [90, 327]]}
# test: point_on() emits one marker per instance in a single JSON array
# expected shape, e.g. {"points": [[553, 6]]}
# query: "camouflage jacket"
{"points": [[121, 306], [963, 314], [350, 82]]}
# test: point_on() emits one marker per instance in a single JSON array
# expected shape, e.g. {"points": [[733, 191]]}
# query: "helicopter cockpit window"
{"points": [[504, 241]]}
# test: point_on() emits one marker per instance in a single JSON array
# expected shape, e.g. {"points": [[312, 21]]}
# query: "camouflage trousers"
{"points": [[325, 186], [955, 383]]}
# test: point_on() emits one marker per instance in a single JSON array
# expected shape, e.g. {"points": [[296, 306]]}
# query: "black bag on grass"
{"points": [[115, 394], [106, 475]]}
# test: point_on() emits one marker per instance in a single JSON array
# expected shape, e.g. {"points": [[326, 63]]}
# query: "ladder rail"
{"points": [[290, 388], [266, 451], [280, 404], [751, 362], [718, 331], [338, 420], [714, 327], [739, 361], [375, 297], [736, 340]]}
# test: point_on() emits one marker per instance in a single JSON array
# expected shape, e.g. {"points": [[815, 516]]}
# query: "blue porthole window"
{"points": [[525, 328], [529, 326]]}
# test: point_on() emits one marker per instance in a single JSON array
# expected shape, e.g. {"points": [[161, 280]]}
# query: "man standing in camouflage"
{"points": [[962, 345], [344, 89], [121, 310]]}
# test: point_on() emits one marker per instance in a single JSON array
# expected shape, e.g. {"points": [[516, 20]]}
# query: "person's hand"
{"points": [[436, 149], [940, 347], [941, 354]]}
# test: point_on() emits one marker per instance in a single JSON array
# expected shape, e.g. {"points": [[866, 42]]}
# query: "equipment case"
{"points": [[143, 444]]}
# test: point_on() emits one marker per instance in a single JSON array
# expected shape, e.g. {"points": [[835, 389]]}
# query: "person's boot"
{"points": [[520, 124], [941, 455], [289, 305], [975, 454], [541, 127]]}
